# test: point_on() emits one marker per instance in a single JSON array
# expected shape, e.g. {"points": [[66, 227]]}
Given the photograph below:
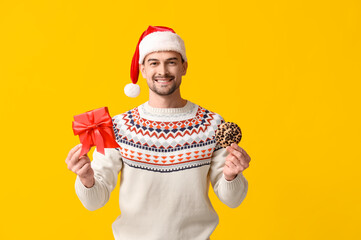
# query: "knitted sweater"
{"points": [[167, 157]]}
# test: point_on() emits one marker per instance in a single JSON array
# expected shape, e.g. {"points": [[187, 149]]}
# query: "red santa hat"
{"points": [[153, 39]]}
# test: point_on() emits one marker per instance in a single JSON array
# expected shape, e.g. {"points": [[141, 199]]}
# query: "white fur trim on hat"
{"points": [[161, 41], [132, 90]]}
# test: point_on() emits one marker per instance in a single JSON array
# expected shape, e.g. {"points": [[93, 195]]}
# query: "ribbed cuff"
{"points": [[235, 183], [81, 190]]}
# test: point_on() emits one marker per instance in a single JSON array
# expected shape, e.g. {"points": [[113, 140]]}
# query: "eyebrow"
{"points": [[169, 59], [173, 58]]}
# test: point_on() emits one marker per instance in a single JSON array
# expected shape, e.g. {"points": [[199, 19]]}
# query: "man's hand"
{"points": [[80, 166], [236, 162]]}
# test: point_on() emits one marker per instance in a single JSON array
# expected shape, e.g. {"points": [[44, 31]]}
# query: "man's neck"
{"points": [[169, 101]]}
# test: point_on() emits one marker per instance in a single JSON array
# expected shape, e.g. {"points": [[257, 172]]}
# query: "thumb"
{"points": [[85, 155]]}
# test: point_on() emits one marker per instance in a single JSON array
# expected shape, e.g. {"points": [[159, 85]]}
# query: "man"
{"points": [[167, 155]]}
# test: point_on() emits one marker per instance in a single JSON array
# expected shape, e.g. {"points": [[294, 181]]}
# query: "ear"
{"points": [[185, 67], [142, 70]]}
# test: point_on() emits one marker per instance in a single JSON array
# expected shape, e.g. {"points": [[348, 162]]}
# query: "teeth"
{"points": [[162, 80]]}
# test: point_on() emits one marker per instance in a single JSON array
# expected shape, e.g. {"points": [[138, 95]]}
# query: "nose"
{"points": [[162, 70]]}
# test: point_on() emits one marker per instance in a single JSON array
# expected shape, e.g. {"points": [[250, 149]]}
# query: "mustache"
{"points": [[163, 76]]}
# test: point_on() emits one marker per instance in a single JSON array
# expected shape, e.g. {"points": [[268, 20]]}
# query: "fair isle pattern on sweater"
{"points": [[183, 141]]}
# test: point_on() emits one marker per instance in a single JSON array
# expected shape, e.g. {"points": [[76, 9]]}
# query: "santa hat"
{"points": [[153, 39]]}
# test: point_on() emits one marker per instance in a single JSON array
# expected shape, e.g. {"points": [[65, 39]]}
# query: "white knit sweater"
{"points": [[167, 158]]}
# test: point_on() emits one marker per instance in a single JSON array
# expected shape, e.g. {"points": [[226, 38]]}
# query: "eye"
{"points": [[153, 63]]}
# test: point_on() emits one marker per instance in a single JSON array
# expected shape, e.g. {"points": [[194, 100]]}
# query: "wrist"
{"points": [[87, 182], [230, 178]]}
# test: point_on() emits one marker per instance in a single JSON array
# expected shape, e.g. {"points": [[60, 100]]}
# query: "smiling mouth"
{"points": [[163, 80]]}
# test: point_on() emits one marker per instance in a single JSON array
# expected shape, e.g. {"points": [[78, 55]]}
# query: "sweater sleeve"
{"points": [[106, 170], [231, 193]]}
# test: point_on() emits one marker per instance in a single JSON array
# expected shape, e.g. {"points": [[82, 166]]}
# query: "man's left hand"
{"points": [[236, 162]]}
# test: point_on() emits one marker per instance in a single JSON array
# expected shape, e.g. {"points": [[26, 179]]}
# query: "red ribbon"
{"points": [[95, 128]]}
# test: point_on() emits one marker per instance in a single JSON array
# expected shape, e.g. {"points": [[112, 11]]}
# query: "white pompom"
{"points": [[132, 90]]}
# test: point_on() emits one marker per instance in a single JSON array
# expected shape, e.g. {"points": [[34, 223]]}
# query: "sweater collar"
{"points": [[158, 114]]}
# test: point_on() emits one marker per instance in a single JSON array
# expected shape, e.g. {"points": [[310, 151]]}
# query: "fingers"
{"points": [[235, 163], [84, 169], [231, 162], [234, 151], [244, 153], [236, 147], [71, 152], [239, 152], [74, 162], [80, 166], [76, 157], [237, 160]]}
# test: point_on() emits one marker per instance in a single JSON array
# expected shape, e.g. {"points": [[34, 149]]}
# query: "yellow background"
{"points": [[288, 72]]}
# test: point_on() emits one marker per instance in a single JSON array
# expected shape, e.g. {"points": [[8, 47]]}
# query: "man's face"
{"points": [[163, 71]]}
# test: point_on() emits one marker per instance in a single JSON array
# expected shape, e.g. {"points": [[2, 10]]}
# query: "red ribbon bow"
{"points": [[95, 128]]}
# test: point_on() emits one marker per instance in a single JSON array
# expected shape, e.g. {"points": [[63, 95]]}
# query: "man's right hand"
{"points": [[80, 165]]}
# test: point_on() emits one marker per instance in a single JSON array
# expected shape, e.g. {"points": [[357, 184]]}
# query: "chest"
{"points": [[165, 146]]}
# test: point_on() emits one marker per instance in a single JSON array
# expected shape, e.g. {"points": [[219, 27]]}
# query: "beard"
{"points": [[166, 89]]}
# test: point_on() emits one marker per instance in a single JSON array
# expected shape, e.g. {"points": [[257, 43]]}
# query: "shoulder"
{"points": [[124, 121], [130, 114], [213, 117]]}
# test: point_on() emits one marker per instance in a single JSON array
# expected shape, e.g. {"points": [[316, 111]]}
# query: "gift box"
{"points": [[95, 128]]}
